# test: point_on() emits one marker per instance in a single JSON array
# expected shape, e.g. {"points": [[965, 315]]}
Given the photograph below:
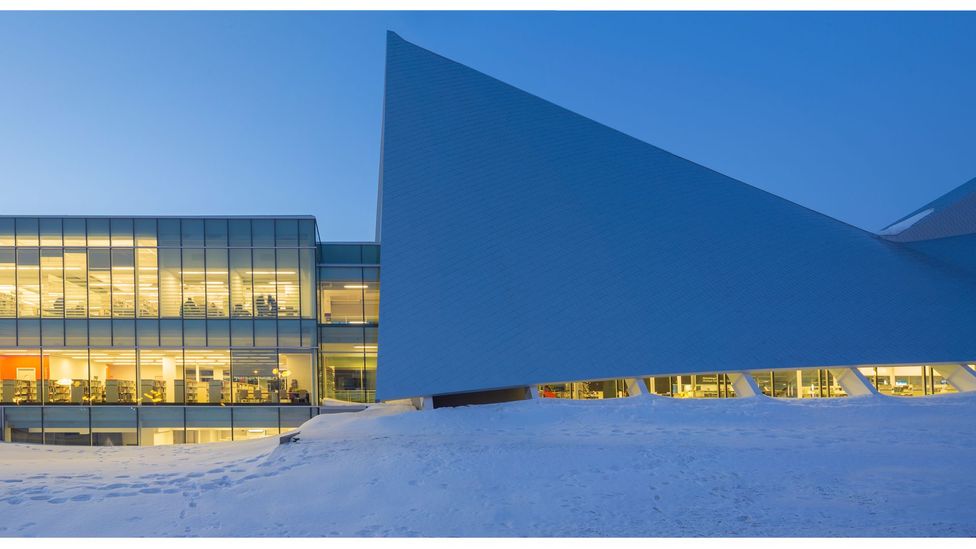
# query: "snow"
{"points": [[643, 466], [904, 224]]}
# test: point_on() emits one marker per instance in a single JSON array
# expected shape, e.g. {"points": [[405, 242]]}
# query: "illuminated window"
{"points": [[207, 376], [113, 376], [217, 283], [123, 283], [289, 301], [194, 283], [28, 283], [8, 283], [147, 282], [66, 376], [75, 283], [240, 283], [341, 295], [99, 283], [170, 293], [161, 376], [265, 291], [52, 283]]}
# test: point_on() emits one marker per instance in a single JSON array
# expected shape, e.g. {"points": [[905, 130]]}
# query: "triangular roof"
{"points": [[524, 243]]}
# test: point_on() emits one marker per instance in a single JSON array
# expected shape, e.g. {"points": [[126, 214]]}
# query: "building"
{"points": [[170, 330], [527, 251], [525, 245]]}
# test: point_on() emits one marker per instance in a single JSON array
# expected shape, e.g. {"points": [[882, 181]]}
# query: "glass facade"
{"points": [[145, 313], [348, 315]]}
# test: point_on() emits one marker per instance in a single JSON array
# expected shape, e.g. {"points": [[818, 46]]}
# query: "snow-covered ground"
{"points": [[645, 466]]}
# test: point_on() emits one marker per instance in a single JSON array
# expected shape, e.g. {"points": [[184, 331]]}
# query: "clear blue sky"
{"points": [[862, 116]]}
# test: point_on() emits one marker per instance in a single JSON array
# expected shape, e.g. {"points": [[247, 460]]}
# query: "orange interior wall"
{"points": [[9, 365]]}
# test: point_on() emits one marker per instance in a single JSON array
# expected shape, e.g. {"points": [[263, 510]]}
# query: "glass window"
{"points": [[7, 232], [217, 283], [216, 232], [100, 332], [344, 376], [8, 332], [8, 283], [66, 376], [207, 373], [289, 333], [371, 295], [123, 283], [286, 232], [288, 291], [241, 333], [195, 333], [99, 283], [52, 332], [194, 284], [147, 282], [20, 370], [74, 231], [250, 423], [67, 426], [292, 418], [265, 333], [122, 232], [124, 333], [27, 231], [161, 373], [208, 424], [306, 232], [170, 286], [295, 377], [307, 279], [147, 332], [342, 254], [113, 376], [192, 232], [52, 283], [50, 231], [239, 231], [28, 283], [240, 283], [308, 333], [218, 333], [75, 283], [371, 254], [255, 376], [811, 384], [159, 426], [265, 292], [75, 333], [28, 332], [262, 232], [169, 231], [98, 232], [145, 232], [114, 426], [171, 333], [23, 425], [341, 295]]}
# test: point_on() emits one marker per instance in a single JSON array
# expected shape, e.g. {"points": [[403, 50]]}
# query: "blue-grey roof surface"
{"points": [[523, 243]]}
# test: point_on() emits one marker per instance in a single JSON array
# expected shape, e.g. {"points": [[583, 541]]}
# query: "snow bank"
{"points": [[647, 466]]}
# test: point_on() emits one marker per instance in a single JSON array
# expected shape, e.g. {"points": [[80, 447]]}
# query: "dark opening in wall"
{"points": [[481, 397]]}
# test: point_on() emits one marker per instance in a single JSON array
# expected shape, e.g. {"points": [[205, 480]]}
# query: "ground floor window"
{"points": [[147, 425]]}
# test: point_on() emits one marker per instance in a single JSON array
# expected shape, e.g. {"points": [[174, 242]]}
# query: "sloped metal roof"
{"points": [[523, 243]]}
